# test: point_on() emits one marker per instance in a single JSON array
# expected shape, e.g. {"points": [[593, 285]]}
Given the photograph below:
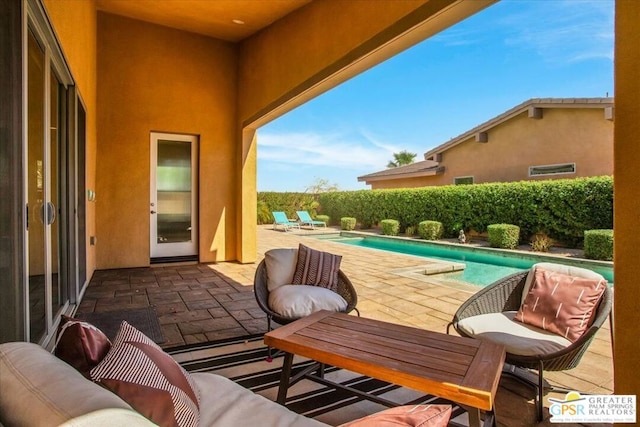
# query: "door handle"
{"points": [[51, 213], [153, 212]]}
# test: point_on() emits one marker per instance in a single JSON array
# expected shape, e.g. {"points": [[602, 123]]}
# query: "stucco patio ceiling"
{"points": [[210, 18]]}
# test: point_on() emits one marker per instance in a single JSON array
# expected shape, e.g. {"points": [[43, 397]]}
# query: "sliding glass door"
{"points": [[48, 290]]}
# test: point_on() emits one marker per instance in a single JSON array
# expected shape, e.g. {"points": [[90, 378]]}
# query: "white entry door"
{"points": [[174, 195]]}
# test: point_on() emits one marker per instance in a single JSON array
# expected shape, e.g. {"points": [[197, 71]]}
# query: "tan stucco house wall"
{"points": [[559, 133]]}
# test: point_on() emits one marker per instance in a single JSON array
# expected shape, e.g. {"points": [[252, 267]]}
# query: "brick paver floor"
{"points": [[197, 303]]}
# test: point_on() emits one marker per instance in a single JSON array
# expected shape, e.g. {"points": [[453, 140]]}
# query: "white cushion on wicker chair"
{"points": [[295, 301], [281, 264], [517, 337]]}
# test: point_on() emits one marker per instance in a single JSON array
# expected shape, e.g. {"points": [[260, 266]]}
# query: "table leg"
{"points": [[321, 370], [284, 378], [490, 419], [474, 416]]}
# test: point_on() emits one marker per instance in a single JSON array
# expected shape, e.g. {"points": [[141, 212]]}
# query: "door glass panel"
{"points": [[174, 191], [82, 198], [54, 193], [36, 190]]}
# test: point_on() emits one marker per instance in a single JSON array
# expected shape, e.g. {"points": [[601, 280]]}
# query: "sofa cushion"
{"points": [[406, 416], [147, 378], [518, 338], [39, 389], [109, 418], [296, 301], [81, 344], [225, 403], [560, 303], [280, 264], [317, 268]]}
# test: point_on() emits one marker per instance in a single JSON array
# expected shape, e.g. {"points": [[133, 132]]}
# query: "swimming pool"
{"points": [[483, 266]]}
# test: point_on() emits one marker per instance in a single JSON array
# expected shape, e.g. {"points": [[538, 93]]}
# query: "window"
{"points": [[563, 168], [463, 180]]}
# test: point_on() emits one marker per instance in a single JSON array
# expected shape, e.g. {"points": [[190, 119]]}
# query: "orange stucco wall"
{"points": [[79, 47], [153, 78], [564, 135], [627, 200]]}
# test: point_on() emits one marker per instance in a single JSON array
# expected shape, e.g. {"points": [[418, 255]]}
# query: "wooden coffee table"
{"points": [[463, 370]]}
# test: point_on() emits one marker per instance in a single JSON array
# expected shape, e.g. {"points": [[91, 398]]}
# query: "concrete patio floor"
{"points": [[197, 303]]}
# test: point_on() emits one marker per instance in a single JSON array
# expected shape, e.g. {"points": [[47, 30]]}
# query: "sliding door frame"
{"points": [[36, 22]]}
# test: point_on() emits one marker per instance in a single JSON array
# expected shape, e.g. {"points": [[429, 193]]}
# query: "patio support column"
{"points": [[626, 197], [247, 216]]}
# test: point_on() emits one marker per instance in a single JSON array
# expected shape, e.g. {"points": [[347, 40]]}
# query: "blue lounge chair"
{"points": [[280, 218], [305, 219]]}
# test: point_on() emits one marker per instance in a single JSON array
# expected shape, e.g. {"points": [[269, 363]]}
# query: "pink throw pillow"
{"points": [[317, 268], [409, 415], [80, 344], [561, 304]]}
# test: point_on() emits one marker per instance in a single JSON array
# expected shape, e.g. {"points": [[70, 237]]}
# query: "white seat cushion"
{"points": [[517, 337], [281, 264], [296, 301]]}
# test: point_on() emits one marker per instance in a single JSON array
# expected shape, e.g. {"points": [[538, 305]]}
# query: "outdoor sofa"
{"points": [[39, 389]]}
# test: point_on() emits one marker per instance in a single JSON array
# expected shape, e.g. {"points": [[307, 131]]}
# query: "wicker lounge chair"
{"points": [[345, 290], [505, 295]]}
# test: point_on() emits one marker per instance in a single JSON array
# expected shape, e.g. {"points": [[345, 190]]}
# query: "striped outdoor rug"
{"points": [[243, 360]]}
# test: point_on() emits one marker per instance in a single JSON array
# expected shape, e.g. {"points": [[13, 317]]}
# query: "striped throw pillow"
{"points": [[317, 268], [148, 379]]}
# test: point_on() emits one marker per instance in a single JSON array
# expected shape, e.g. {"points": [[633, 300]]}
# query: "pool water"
{"points": [[482, 268]]}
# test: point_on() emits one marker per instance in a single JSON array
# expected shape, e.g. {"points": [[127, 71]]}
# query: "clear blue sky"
{"points": [[508, 53]]}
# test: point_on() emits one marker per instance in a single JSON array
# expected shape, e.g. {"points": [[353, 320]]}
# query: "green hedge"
{"points": [[430, 230], [390, 227], [505, 236], [598, 244], [562, 209]]}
